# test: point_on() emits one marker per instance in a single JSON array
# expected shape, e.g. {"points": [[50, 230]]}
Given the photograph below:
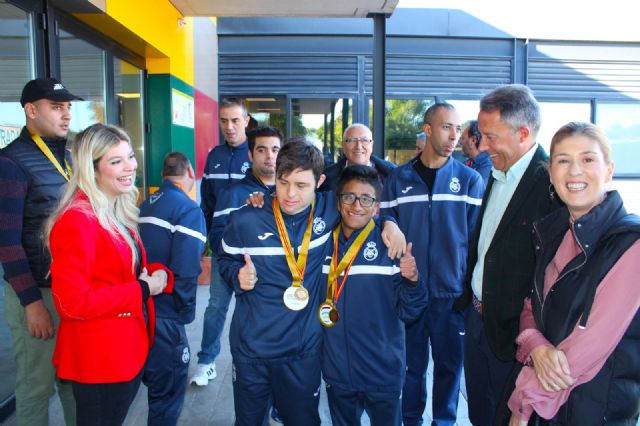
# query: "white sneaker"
{"points": [[204, 373]]}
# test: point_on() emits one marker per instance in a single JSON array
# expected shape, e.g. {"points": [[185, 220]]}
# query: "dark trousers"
{"points": [[485, 375], [346, 407], [104, 404], [166, 372], [294, 387], [443, 329]]}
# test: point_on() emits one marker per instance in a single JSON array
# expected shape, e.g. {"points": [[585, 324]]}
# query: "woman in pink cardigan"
{"points": [[579, 341]]}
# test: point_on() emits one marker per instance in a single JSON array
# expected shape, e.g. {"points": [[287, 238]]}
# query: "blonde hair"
{"points": [[118, 219], [588, 130]]}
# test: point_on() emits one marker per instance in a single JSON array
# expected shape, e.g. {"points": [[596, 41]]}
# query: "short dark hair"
{"points": [[233, 102], [175, 164], [474, 131], [263, 131], [299, 154], [431, 111], [516, 104], [361, 173]]}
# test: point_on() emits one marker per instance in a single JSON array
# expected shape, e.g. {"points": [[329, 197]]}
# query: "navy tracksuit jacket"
{"points": [[172, 231]]}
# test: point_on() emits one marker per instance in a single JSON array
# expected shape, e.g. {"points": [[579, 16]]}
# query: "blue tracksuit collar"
{"points": [[243, 147]]}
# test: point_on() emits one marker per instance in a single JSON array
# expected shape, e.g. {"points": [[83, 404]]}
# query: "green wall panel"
{"points": [[165, 136]]}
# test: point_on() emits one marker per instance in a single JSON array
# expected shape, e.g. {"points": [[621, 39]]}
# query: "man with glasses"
{"points": [[436, 201], [368, 298], [357, 144]]}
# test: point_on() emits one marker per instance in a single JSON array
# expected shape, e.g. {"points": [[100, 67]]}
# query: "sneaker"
{"points": [[204, 373]]}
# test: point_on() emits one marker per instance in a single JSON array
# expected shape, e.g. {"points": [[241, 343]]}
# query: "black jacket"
{"points": [[332, 172], [605, 233], [44, 189], [509, 262]]}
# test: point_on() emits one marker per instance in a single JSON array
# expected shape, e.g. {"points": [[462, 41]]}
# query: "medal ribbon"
{"points": [[298, 266], [333, 289], [47, 152]]}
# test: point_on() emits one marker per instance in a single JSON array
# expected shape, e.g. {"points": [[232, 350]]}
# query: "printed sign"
{"points": [[7, 134], [182, 109]]}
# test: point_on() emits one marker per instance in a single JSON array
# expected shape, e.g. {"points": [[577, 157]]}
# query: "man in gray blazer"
{"points": [[501, 254]]}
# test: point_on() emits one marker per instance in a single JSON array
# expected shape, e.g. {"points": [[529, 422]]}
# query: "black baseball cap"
{"points": [[46, 88]]}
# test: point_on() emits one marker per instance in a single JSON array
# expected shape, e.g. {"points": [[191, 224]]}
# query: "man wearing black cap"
{"points": [[33, 169]]}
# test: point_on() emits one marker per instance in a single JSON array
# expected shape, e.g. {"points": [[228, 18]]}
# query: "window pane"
{"points": [[312, 118], [403, 121], [556, 115], [16, 68], [83, 69], [468, 110], [267, 111], [129, 103], [621, 122]]}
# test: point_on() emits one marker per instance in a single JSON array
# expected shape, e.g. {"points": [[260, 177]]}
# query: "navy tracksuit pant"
{"points": [[346, 407], [292, 386], [166, 372], [443, 329]]}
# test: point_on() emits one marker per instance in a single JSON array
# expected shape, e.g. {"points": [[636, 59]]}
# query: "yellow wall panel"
{"points": [[159, 24]]}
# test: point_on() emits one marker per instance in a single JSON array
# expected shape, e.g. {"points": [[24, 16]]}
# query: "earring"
{"points": [[552, 192]]}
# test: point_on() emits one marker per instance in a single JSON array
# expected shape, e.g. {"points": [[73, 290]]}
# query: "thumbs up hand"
{"points": [[247, 276], [408, 268]]}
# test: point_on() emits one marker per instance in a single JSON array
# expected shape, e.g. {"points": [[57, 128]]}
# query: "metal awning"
{"points": [[309, 8]]}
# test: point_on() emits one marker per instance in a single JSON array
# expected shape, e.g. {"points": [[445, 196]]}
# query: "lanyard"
{"points": [[333, 290], [297, 267], [66, 172]]}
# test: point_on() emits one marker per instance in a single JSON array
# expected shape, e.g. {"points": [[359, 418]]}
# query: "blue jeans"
{"points": [[214, 315]]}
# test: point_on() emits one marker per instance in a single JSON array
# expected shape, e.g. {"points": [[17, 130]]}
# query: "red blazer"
{"points": [[102, 337]]}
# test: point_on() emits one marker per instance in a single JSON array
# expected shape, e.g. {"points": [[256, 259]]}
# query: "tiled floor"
{"points": [[212, 405]]}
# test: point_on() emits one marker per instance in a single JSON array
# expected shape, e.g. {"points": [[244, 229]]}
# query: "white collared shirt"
{"points": [[501, 192]]}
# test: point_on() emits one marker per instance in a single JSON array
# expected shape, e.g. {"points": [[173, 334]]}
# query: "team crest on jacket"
{"points": [[155, 197], [185, 355], [245, 167], [318, 225], [454, 185], [370, 251]]}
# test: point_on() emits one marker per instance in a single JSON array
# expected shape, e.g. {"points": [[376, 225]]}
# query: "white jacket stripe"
{"points": [[223, 176], [271, 251], [179, 228], [225, 211], [434, 197], [367, 270]]}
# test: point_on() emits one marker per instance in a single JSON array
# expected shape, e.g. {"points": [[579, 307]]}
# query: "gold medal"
{"points": [[324, 314], [328, 313], [296, 298]]}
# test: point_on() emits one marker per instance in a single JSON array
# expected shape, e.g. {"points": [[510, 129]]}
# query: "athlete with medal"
{"points": [[272, 257], [368, 298]]}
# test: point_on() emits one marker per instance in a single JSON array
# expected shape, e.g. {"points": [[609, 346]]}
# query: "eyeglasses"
{"points": [[349, 198], [363, 141]]}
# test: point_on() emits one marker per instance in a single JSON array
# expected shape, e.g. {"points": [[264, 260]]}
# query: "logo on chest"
{"points": [[319, 226], [370, 251], [245, 167], [454, 185]]}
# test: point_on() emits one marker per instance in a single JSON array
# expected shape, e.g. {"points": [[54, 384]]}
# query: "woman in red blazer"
{"points": [[100, 279]]}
